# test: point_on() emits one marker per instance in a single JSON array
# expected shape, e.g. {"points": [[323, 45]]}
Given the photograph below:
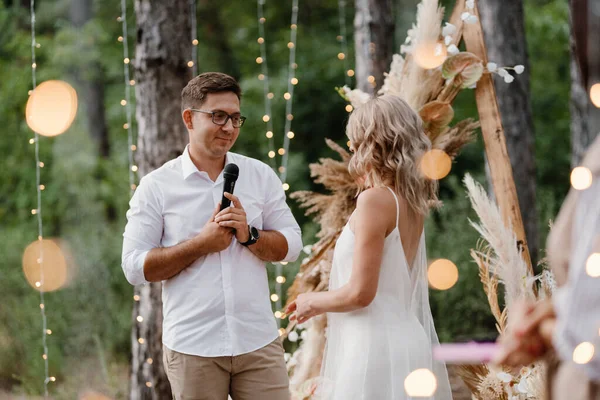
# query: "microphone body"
{"points": [[230, 175]]}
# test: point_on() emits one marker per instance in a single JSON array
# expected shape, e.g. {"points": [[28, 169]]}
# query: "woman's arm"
{"points": [[371, 223]]}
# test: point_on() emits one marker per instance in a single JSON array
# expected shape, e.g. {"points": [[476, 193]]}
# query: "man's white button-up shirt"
{"points": [[219, 305]]}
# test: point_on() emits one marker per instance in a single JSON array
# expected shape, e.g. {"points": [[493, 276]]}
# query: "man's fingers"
{"points": [[235, 200], [215, 212], [231, 214], [231, 224]]}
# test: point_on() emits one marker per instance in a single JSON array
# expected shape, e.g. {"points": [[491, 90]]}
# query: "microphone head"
{"points": [[231, 172]]}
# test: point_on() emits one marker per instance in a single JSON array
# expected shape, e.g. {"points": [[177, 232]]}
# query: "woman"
{"points": [[379, 322], [556, 327]]}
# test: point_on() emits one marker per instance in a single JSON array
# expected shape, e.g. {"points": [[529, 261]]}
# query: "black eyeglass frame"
{"points": [[242, 119]]}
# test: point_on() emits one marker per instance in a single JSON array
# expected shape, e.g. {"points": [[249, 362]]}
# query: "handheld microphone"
{"points": [[230, 175]]}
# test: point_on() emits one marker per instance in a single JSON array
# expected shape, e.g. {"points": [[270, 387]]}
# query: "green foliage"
{"points": [[86, 196]]}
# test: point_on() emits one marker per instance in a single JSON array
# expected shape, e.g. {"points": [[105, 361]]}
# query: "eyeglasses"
{"points": [[221, 117]]}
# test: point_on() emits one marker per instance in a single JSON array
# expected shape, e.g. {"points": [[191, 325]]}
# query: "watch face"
{"points": [[254, 233]]}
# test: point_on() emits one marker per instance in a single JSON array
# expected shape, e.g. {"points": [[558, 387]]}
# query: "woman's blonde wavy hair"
{"points": [[389, 142]]}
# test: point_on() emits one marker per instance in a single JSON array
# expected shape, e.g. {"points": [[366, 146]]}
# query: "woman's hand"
{"points": [[304, 307], [525, 340]]}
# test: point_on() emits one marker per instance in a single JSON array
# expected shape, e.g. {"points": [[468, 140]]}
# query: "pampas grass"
{"points": [[504, 259], [499, 260]]}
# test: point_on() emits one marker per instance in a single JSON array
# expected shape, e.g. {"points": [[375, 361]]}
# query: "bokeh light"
{"points": [[430, 55], [592, 265], [581, 178], [51, 108], [53, 264], [595, 94], [583, 353], [442, 274], [436, 164], [420, 383]]}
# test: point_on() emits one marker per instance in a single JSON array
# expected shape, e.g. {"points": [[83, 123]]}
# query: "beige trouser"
{"points": [[259, 375]]}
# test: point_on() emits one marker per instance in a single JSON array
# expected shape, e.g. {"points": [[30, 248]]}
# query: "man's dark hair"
{"points": [[195, 92]]}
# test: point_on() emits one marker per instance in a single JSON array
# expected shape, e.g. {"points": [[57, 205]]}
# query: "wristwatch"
{"points": [[254, 236]]}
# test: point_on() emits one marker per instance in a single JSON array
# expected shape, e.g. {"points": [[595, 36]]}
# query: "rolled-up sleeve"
{"points": [[277, 216], [143, 231]]}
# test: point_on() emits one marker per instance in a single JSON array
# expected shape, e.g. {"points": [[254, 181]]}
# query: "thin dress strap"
{"points": [[397, 205]]}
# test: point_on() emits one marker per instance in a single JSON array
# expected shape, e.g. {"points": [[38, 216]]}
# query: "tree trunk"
{"points": [[162, 52], [504, 31], [90, 81], [373, 40]]}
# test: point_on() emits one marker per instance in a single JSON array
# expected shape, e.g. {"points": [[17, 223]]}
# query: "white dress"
{"points": [[371, 351]]}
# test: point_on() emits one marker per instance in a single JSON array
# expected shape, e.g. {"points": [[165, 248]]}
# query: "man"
{"points": [[219, 333]]}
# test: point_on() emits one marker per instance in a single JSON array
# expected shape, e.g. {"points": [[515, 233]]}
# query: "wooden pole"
{"points": [[494, 140]]}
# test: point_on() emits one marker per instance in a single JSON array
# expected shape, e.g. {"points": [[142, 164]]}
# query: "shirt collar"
{"points": [[188, 167]]}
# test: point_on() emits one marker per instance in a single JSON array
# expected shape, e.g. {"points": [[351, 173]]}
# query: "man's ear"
{"points": [[187, 118]]}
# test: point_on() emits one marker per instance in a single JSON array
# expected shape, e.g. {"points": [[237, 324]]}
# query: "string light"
{"points": [[126, 102], [131, 147], [343, 41], [288, 134], [38, 210], [292, 81], [194, 60], [264, 77]]}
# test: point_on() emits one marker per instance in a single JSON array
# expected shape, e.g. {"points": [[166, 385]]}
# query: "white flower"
{"points": [[522, 387], [471, 19], [452, 49], [448, 29], [504, 377], [287, 357], [305, 260], [293, 336], [465, 15], [470, 4], [492, 66], [304, 334], [519, 69], [438, 49], [308, 248], [508, 78], [447, 40], [502, 72], [357, 97]]}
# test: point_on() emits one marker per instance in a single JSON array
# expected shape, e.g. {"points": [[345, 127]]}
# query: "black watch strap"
{"points": [[253, 238]]}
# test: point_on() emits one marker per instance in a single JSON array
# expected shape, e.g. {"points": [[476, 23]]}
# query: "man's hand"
{"points": [[234, 217], [216, 237]]}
